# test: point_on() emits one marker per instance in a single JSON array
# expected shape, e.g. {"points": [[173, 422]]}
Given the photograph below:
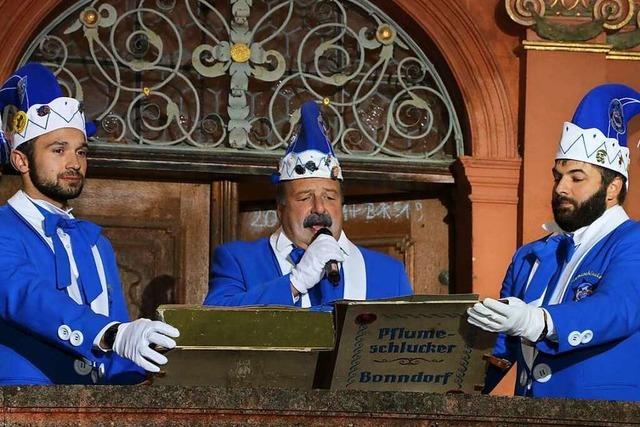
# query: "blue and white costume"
{"points": [[246, 273], [594, 301], [47, 331], [50, 316]]}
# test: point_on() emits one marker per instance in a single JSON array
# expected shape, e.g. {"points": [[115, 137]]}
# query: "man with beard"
{"points": [[569, 312], [63, 317], [291, 266]]}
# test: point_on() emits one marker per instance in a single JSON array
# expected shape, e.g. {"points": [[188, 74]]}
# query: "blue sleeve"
{"points": [[228, 285], [616, 301], [30, 303]]}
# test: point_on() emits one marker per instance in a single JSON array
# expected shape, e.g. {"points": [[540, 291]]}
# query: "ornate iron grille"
{"points": [[229, 76]]}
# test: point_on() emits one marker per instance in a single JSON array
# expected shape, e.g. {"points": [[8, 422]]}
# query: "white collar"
{"points": [[26, 208], [49, 207], [615, 215], [283, 244]]}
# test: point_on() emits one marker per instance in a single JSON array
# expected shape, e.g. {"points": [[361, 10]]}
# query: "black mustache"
{"points": [[317, 219], [556, 200]]}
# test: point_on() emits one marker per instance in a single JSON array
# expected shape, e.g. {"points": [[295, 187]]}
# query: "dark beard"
{"points": [[52, 189], [582, 214]]}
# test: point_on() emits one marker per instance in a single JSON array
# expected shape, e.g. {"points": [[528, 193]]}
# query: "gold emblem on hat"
{"points": [[146, 91], [240, 52], [385, 34], [19, 122], [90, 17]]}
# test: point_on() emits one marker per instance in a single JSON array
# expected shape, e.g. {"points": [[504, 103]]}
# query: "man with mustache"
{"points": [[569, 312], [290, 267], [63, 317]]}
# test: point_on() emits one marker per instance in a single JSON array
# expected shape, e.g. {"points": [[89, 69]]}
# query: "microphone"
{"points": [[331, 269]]}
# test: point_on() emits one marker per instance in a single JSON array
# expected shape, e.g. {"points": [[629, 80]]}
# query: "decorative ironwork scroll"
{"points": [[229, 76], [593, 17]]}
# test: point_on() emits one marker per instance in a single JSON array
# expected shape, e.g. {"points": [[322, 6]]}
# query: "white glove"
{"points": [[133, 339], [515, 318], [310, 269]]}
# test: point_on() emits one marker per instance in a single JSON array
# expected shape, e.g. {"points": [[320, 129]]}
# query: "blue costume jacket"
{"points": [[246, 273], [597, 351], [45, 336]]}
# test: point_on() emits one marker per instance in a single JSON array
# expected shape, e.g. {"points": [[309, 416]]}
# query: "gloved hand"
{"points": [[133, 339], [515, 318], [310, 269]]}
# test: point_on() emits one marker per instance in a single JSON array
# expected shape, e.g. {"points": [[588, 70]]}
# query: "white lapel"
{"points": [[353, 268]]}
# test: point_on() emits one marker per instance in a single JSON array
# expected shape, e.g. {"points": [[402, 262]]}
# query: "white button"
{"points": [[64, 332], [76, 338], [542, 373], [523, 377], [586, 336], [574, 338], [81, 367], [101, 370]]}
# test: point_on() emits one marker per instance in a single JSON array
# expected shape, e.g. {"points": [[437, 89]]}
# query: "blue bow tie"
{"points": [[83, 235]]}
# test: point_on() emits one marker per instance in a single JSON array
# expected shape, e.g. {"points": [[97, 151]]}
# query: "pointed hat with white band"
{"points": [[41, 106], [597, 134], [309, 154]]}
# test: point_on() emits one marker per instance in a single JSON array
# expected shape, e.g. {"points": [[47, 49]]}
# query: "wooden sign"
{"points": [[421, 343]]}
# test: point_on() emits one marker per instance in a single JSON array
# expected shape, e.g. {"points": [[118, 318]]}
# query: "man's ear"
{"points": [[20, 161], [614, 188]]}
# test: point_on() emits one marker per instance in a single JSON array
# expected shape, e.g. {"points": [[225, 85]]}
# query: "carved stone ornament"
{"points": [[590, 19]]}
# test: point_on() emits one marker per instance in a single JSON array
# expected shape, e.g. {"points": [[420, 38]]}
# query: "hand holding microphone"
{"points": [[331, 268], [311, 268]]}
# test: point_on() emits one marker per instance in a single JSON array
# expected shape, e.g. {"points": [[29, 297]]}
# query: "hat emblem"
{"points": [[43, 110], [19, 122], [616, 116], [600, 155]]}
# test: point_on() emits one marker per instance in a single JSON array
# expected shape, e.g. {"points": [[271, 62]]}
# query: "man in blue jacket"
{"points": [[290, 267], [569, 312], [63, 317]]}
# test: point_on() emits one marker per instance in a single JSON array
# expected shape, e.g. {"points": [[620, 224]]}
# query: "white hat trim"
{"points": [[592, 146], [64, 112], [324, 162]]}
